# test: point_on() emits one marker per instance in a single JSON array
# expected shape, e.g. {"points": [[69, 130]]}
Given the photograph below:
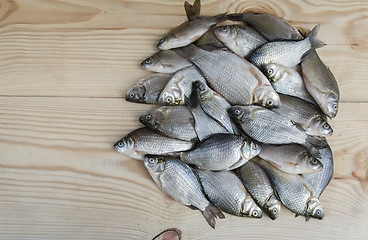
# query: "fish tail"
{"points": [[192, 11], [312, 36], [210, 213], [235, 17], [314, 144], [221, 17]]}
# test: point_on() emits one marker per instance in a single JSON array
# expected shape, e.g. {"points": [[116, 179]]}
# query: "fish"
{"points": [[286, 53], [227, 193], [171, 121], [271, 27], [148, 89], [192, 11], [144, 141], [214, 105], [310, 117], [256, 181], [177, 180], [167, 61], [321, 84], [242, 40], [189, 31], [287, 81], [290, 158], [180, 86], [221, 152], [237, 80], [266, 126], [320, 149], [294, 192]]}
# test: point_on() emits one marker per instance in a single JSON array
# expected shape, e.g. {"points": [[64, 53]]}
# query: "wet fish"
{"points": [[242, 40], [177, 180], [171, 121], [259, 186], [148, 89], [294, 192], [266, 126], [144, 141], [180, 86], [286, 53], [226, 192], [321, 84], [271, 27], [167, 61], [311, 119], [290, 158], [189, 32], [214, 105], [221, 152], [287, 81], [237, 80]]}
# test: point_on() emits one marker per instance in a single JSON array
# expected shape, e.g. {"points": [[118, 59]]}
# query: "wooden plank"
{"points": [[61, 179]]}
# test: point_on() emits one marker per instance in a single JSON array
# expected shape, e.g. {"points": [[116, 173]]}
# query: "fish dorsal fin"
{"points": [[192, 11]]}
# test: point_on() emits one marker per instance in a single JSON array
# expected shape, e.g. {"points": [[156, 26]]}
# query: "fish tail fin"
{"points": [[221, 17], [210, 213], [235, 17], [314, 144], [192, 11], [312, 36]]}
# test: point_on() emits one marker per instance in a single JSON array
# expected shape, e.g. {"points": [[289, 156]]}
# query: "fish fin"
{"points": [[221, 17], [299, 126], [235, 17], [210, 213], [192, 207], [307, 218], [312, 36], [188, 51], [192, 11], [160, 167]]}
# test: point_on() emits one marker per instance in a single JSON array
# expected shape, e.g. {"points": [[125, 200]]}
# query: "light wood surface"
{"points": [[64, 68]]}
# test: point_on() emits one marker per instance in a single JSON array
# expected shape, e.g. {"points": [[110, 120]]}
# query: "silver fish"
{"points": [[144, 141], [177, 180], [271, 27], [286, 53], [171, 121], [226, 192], [259, 186], [294, 193], [321, 84], [180, 86], [242, 40], [221, 152], [290, 158], [287, 81], [266, 126], [311, 119], [148, 89], [167, 61], [237, 80]]}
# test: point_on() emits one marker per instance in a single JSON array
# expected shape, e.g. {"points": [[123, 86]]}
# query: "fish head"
{"points": [[250, 209], [152, 118], [171, 96], [314, 209], [225, 33], [272, 72], [319, 127], [250, 149], [136, 94], [152, 63], [240, 113], [164, 43], [330, 103], [155, 165], [125, 145], [267, 97], [310, 163], [273, 207]]}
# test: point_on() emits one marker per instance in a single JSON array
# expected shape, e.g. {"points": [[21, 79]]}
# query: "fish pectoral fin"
{"points": [[308, 187]]}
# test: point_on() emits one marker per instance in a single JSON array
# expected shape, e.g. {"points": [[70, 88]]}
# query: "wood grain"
{"points": [[65, 66]]}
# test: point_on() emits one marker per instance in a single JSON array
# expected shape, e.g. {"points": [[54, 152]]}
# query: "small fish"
{"points": [[221, 152], [259, 186], [167, 61], [226, 192], [144, 141], [294, 192], [321, 84], [242, 40], [189, 32], [266, 126], [180, 86], [171, 121], [214, 105], [271, 27], [287, 81], [177, 180], [148, 89], [286, 53], [290, 158], [310, 118], [237, 80]]}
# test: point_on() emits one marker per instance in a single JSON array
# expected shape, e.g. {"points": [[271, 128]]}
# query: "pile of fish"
{"points": [[243, 118]]}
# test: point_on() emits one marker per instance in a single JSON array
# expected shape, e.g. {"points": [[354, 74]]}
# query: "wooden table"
{"points": [[65, 66]]}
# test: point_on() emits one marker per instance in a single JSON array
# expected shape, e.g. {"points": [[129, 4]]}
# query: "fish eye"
{"points": [[318, 212], [162, 40], [132, 94], [120, 144], [326, 126], [255, 213], [314, 161], [255, 146], [269, 102], [224, 28], [274, 211], [148, 117], [270, 71], [169, 99], [237, 111], [335, 107], [148, 61], [151, 160]]}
